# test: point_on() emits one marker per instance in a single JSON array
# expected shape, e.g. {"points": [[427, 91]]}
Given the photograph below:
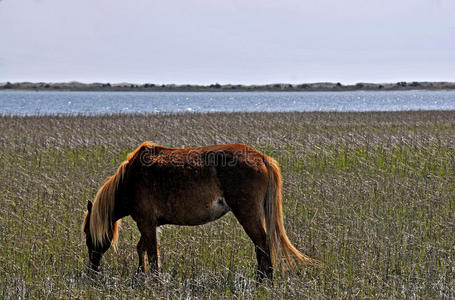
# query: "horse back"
{"points": [[190, 186]]}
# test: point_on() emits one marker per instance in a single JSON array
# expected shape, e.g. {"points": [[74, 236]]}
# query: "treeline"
{"points": [[216, 87]]}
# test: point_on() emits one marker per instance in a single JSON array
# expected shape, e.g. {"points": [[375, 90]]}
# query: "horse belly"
{"points": [[217, 209], [195, 206]]}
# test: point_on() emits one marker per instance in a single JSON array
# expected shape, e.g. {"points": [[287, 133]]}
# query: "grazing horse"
{"points": [[158, 185]]}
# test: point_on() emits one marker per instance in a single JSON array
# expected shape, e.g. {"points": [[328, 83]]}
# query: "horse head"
{"points": [[95, 250]]}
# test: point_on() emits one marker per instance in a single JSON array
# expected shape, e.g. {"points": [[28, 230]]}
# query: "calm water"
{"points": [[33, 103]]}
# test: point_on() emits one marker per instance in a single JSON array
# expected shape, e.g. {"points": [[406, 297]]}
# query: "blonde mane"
{"points": [[103, 206]]}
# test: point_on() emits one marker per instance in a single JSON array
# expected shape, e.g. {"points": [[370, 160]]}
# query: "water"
{"points": [[92, 103]]}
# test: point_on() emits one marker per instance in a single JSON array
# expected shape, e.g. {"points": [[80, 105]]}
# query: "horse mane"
{"points": [[103, 206], [133, 155]]}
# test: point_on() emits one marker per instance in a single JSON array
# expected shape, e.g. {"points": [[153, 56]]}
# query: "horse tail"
{"points": [[103, 206], [277, 239]]}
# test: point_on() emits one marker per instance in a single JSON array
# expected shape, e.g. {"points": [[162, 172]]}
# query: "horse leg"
{"points": [[252, 221], [141, 253], [150, 242]]}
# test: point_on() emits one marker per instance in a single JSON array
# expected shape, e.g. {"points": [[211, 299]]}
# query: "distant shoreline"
{"points": [[277, 87]]}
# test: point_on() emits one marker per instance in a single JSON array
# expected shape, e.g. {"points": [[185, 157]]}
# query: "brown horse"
{"points": [[158, 185]]}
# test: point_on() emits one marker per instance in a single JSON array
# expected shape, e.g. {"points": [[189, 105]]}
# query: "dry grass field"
{"points": [[371, 195]]}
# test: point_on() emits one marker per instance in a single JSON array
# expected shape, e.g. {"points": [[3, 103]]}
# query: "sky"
{"points": [[230, 41]]}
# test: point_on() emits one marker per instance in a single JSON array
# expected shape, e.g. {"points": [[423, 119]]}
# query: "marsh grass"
{"points": [[371, 195]]}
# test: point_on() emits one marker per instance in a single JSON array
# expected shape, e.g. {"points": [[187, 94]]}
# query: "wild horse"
{"points": [[191, 186]]}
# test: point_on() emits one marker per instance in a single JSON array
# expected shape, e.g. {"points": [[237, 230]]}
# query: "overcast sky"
{"points": [[230, 41]]}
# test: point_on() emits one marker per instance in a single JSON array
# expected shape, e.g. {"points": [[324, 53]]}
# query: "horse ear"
{"points": [[89, 205]]}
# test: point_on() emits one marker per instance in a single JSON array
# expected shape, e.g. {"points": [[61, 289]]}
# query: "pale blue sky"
{"points": [[230, 41]]}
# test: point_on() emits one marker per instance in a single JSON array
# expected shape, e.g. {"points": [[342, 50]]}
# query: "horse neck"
{"points": [[121, 206]]}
